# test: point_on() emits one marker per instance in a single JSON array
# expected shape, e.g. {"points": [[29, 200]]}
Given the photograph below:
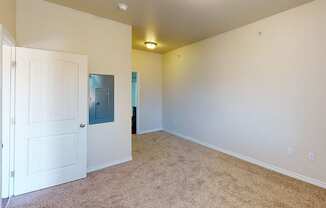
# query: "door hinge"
{"points": [[13, 64], [12, 174], [13, 121]]}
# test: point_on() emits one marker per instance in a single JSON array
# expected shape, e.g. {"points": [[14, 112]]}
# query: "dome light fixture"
{"points": [[150, 45]]}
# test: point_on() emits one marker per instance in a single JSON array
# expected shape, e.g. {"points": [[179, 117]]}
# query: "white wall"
{"points": [[149, 68], [256, 95], [108, 45], [8, 15]]}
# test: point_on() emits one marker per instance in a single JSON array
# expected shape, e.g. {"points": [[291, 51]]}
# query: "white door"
{"points": [[51, 107]]}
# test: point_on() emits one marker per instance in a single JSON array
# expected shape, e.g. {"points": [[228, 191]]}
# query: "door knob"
{"points": [[82, 125]]}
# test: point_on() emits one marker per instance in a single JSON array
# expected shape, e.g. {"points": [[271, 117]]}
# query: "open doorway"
{"points": [[134, 101]]}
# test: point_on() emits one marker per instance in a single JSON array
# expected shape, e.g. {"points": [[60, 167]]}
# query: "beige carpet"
{"points": [[172, 173]]}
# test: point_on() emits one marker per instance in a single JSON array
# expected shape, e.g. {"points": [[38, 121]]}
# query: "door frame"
{"points": [[8, 102]]}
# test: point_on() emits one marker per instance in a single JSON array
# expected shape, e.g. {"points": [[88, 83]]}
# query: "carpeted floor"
{"points": [[173, 173]]}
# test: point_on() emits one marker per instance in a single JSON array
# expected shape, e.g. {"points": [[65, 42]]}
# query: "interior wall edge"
{"points": [[149, 67]]}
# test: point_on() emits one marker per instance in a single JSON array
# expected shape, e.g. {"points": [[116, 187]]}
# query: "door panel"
{"points": [[51, 102], [58, 80], [51, 153]]}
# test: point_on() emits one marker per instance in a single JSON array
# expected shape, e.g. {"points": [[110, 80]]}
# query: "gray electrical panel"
{"points": [[101, 90]]}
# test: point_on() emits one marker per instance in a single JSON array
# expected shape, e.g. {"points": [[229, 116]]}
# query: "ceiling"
{"points": [[175, 23]]}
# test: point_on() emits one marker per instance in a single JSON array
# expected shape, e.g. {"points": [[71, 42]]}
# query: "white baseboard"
{"points": [[106, 165], [149, 131], [266, 165]]}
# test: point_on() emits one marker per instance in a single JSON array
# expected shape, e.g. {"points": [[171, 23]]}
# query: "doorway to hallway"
{"points": [[134, 101]]}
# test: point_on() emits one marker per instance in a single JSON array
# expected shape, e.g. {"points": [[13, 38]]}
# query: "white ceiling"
{"points": [[175, 23]]}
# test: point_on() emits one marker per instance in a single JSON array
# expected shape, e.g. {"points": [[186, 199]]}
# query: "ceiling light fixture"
{"points": [[122, 6], [150, 45]]}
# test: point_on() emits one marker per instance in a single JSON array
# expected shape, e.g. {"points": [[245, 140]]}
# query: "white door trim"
{"points": [[8, 104]]}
